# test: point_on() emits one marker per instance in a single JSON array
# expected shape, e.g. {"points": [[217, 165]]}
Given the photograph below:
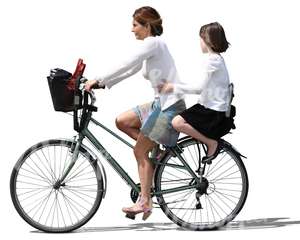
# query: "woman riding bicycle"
{"points": [[149, 124]]}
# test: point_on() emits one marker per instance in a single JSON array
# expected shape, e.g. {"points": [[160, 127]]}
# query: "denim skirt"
{"points": [[157, 124]]}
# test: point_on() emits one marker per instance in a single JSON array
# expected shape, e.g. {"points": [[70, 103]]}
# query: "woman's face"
{"points": [[203, 45], [140, 31]]}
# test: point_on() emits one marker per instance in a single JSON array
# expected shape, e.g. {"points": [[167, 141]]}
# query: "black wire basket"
{"points": [[63, 90], [62, 95]]}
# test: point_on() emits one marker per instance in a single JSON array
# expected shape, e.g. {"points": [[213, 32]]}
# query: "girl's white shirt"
{"points": [[213, 86]]}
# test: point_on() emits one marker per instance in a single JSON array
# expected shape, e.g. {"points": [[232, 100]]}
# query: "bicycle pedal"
{"points": [[130, 216]]}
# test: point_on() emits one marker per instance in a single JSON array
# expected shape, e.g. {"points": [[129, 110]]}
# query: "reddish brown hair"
{"points": [[148, 15], [213, 35]]}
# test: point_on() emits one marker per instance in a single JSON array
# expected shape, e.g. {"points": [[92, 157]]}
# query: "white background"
{"points": [[263, 62]]}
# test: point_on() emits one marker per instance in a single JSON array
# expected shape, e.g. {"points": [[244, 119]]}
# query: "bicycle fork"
{"points": [[75, 152]]}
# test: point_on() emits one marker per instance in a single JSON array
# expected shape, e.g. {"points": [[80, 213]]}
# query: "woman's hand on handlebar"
{"points": [[93, 84]]}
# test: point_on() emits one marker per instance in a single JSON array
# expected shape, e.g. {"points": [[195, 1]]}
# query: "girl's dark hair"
{"points": [[213, 35], [148, 15]]}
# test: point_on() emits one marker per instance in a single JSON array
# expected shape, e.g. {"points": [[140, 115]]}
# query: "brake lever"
{"points": [[83, 79], [81, 86]]}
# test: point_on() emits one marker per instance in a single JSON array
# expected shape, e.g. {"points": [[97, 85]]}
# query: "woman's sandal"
{"points": [[138, 208]]}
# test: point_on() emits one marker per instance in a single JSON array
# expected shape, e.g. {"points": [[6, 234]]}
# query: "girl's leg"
{"points": [[181, 125], [129, 123]]}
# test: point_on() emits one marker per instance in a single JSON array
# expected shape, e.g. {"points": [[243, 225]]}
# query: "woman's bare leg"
{"points": [[145, 167], [181, 125], [129, 123]]}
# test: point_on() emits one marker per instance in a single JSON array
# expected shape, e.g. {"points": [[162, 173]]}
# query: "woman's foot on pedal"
{"points": [[141, 206]]}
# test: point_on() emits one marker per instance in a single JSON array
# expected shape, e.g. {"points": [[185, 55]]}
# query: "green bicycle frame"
{"points": [[115, 165]]}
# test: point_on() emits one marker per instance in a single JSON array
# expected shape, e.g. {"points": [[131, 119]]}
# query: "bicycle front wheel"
{"points": [[218, 199], [52, 208]]}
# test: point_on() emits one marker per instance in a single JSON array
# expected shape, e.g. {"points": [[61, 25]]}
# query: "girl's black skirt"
{"points": [[211, 123]]}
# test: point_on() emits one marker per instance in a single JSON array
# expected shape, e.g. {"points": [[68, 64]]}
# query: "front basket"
{"points": [[62, 95]]}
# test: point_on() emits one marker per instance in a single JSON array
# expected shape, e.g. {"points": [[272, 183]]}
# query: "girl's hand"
{"points": [[165, 88]]}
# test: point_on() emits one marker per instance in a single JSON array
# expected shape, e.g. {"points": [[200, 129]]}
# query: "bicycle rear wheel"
{"points": [[217, 201], [42, 204]]}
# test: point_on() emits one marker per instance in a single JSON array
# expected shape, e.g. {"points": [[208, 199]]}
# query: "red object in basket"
{"points": [[78, 72]]}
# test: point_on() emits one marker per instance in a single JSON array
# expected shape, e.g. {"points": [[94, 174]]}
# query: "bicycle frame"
{"points": [[57, 185], [85, 133]]}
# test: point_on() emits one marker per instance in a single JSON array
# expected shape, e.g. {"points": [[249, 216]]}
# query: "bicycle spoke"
{"points": [[65, 164], [192, 157], [38, 174], [190, 212], [225, 171], [61, 212], [83, 193], [215, 209], [34, 178], [54, 152], [227, 196], [33, 193], [223, 202], [214, 169], [76, 205], [78, 195], [73, 173], [49, 164], [226, 176], [185, 197], [69, 209], [173, 174], [39, 203]]}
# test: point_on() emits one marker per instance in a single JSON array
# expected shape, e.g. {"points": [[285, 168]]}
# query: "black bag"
{"points": [[226, 125], [62, 95], [230, 114], [228, 122]]}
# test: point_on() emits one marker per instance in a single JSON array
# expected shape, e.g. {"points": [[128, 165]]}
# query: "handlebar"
{"points": [[82, 89]]}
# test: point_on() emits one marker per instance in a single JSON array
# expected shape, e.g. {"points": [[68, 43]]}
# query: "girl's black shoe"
{"points": [[208, 159]]}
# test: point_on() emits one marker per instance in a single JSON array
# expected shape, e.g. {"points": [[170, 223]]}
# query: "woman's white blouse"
{"points": [[151, 55], [213, 86]]}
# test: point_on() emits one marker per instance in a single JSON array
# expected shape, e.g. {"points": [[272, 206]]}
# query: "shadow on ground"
{"points": [[260, 223]]}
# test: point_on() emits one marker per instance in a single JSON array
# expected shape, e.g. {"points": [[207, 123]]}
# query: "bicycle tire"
{"points": [[182, 208], [56, 210]]}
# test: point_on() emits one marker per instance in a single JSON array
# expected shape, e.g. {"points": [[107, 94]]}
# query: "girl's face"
{"points": [[140, 31], [203, 45]]}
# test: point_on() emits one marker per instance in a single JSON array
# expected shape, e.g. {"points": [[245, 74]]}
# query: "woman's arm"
{"points": [[125, 75], [131, 65], [99, 84]]}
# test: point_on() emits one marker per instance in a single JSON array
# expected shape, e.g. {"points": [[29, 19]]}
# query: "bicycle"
{"points": [[58, 185]]}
